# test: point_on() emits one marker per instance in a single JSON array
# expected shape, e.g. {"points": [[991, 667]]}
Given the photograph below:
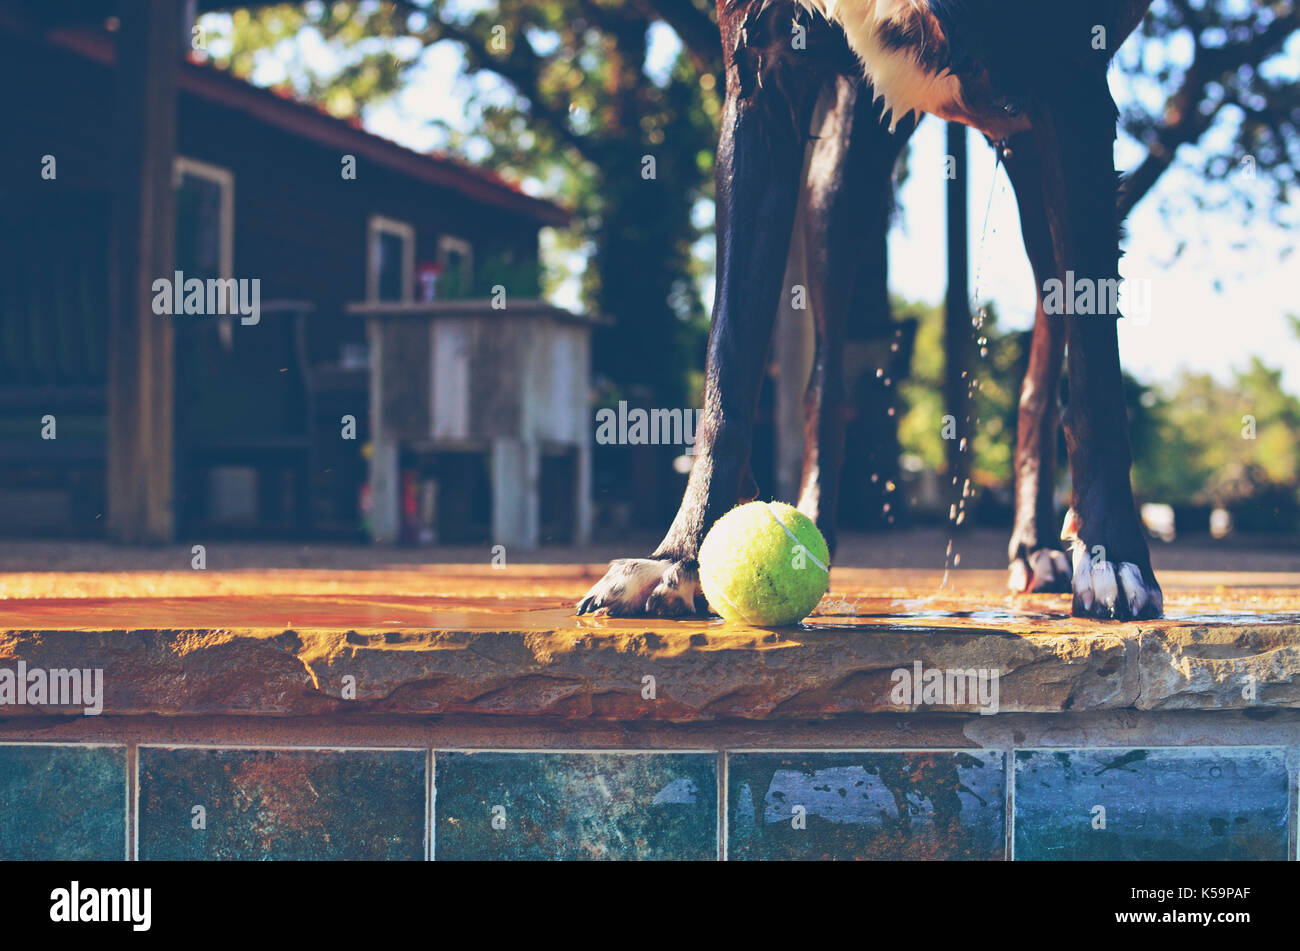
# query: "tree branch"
{"points": [[694, 27], [522, 68], [1185, 122]]}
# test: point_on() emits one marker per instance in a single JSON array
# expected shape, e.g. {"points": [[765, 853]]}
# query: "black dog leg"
{"points": [[849, 192], [1075, 117], [760, 157], [1037, 561]]}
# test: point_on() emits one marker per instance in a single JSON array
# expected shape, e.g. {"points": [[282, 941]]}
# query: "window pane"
{"points": [[457, 262], [198, 227], [390, 265]]}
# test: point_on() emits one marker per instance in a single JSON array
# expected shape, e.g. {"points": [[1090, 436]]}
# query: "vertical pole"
{"points": [[385, 467], [516, 493], [957, 322], [582, 416], [140, 344]]}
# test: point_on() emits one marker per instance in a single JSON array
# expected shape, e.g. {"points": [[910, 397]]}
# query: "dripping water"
{"points": [[957, 511]]}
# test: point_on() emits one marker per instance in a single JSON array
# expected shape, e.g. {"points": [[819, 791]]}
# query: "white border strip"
{"points": [[767, 507]]}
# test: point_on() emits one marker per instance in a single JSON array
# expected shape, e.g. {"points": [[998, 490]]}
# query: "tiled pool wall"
{"points": [[187, 801]]}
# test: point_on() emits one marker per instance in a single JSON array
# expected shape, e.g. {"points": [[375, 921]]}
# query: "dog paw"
{"points": [[646, 587], [1046, 570], [1115, 588]]}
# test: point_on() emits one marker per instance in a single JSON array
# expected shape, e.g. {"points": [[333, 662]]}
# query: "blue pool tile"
{"points": [[282, 804], [535, 806], [866, 805], [64, 802], [1155, 804]]}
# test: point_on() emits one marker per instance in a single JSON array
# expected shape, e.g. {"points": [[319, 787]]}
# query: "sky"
{"points": [[1223, 300]]}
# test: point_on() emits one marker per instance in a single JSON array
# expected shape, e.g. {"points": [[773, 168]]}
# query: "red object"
{"points": [[410, 530], [426, 280]]}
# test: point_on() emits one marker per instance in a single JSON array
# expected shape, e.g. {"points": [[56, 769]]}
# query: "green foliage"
{"points": [[561, 93], [367, 65], [996, 376], [1189, 439], [1203, 452], [564, 96], [503, 270], [1219, 75]]}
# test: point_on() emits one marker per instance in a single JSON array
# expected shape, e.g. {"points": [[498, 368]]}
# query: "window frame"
{"points": [[380, 224], [224, 179], [450, 242]]}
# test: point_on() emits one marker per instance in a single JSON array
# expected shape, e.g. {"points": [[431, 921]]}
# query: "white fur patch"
{"points": [[895, 75], [1134, 588], [1082, 582], [1105, 586]]}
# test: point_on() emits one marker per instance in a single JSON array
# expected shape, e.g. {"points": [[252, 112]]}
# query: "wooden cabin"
{"points": [[128, 160]]}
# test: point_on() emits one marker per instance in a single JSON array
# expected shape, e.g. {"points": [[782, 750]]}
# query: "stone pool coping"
{"points": [[470, 641]]}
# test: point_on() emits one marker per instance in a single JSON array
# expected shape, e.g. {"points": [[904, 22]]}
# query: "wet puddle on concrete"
{"points": [[452, 598]]}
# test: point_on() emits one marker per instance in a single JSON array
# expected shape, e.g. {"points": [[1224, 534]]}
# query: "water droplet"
{"points": [[889, 486], [961, 447], [956, 559], [879, 372]]}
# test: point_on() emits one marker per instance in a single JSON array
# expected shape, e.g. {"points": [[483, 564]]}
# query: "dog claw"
{"points": [[645, 587], [1082, 580], [1103, 589], [1018, 577], [1043, 570], [1105, 586], [1138, 594]]}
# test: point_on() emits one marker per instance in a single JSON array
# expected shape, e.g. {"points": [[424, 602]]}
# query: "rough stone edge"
{"points": [[698, 677]]}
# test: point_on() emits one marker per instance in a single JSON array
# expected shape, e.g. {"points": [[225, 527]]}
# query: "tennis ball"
{"points": [[764, 563]]}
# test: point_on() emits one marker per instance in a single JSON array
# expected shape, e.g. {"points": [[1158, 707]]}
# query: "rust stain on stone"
{"points": [[463, 638]]}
